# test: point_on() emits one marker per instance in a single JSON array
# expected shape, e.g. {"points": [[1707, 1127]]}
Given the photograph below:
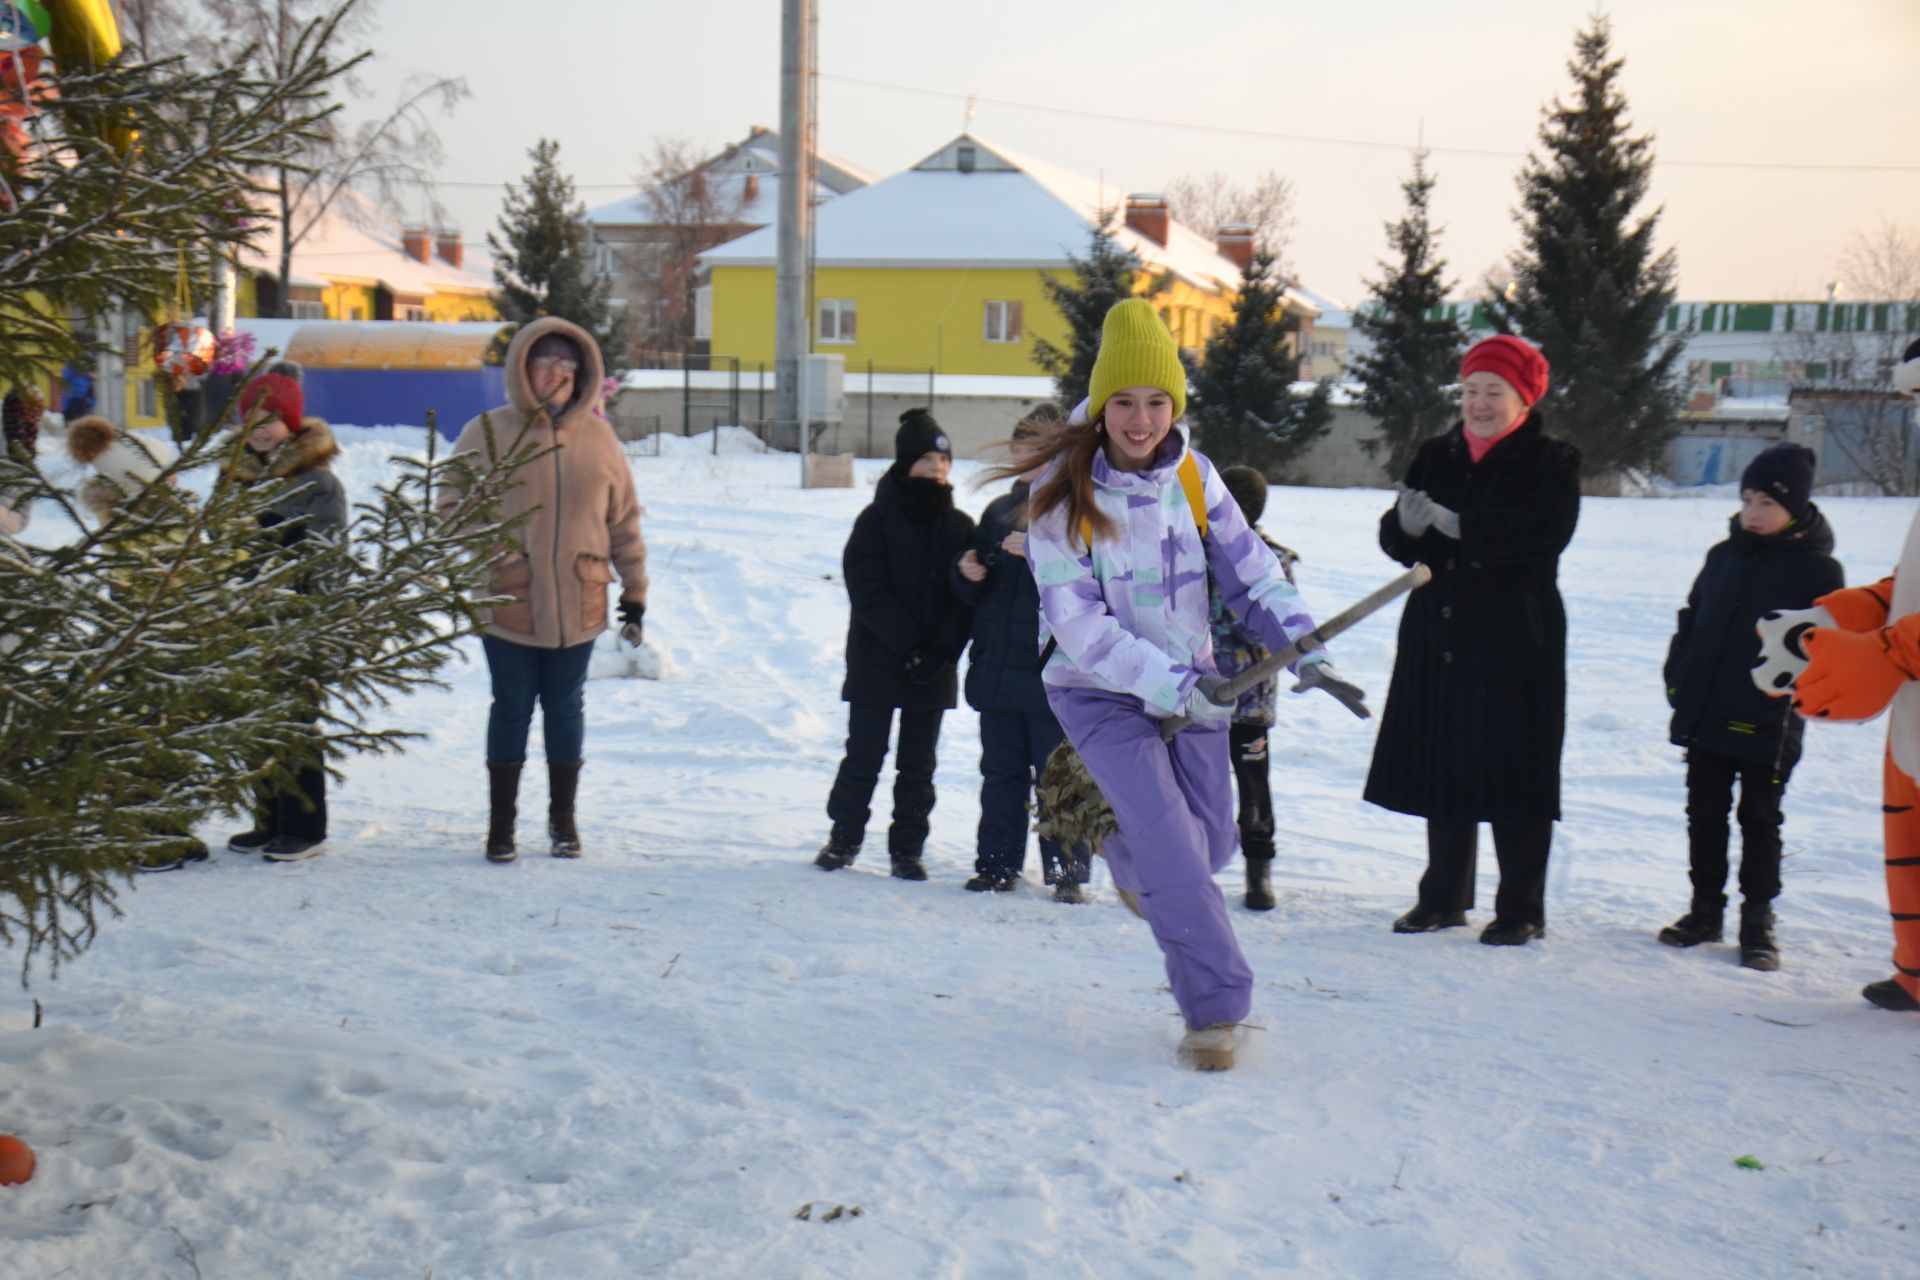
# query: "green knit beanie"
{"points": [[1136, 351]]}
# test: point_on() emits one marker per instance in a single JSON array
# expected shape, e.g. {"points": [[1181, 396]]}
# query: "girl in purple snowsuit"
{"points": [[1122, 567]]}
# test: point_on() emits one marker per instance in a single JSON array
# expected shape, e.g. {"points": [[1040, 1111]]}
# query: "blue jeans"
{"points": [[522, 674]]}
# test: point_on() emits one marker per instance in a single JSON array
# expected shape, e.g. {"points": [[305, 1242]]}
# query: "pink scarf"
{"points": [[1477, 446]]}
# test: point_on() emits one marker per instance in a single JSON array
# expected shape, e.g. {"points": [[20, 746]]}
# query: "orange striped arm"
{"points": [[1860, 608]]}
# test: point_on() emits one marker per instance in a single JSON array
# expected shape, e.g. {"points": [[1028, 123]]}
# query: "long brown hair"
{"points": [[1038, 439]]}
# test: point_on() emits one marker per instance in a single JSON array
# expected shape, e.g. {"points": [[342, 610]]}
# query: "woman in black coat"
{"points": [[903, 639], [1018, 730], [1477, 709]]}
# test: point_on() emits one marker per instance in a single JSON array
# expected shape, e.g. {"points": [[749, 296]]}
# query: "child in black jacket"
{"points": [[1778, 555], [903, 640]]}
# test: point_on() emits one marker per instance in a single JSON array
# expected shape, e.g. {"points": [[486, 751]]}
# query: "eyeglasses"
{"points": [[559, 364]]}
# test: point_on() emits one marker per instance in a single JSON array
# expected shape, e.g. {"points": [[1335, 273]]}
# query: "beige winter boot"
{"points": [[1211, 1048]]}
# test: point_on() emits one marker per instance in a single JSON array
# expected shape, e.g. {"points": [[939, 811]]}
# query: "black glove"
{"points": [[926, 663], [632, 612]]}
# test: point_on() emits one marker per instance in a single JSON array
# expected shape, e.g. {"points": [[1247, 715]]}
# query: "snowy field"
{"points": [[399, 1061]]}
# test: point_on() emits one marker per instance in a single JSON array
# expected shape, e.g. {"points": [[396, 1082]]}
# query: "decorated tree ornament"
{"points": [[183, 350], [83, 32], [23, 23]]}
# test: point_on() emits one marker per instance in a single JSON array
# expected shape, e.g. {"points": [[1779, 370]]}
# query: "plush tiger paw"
{"points": [[1849, 675]]}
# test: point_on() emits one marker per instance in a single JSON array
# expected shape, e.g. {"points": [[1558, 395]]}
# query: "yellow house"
{"points": [[939, 267]]}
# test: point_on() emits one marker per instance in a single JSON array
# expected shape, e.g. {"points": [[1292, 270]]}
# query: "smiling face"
{"points": [[1137, 419], [1760, 514], [265, 430], [1489, 404]]}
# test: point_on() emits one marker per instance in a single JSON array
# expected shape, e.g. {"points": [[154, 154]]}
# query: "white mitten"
{"points": [[1783, 655]]}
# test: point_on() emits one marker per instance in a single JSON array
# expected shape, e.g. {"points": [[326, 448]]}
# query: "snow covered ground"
{"points": [[399, 1061]]}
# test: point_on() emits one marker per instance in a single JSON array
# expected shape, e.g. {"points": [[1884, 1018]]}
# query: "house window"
{"points": [[413, 313], [307, 310], [837, 320], [356, 313], [1003, 323], [149, 398]]}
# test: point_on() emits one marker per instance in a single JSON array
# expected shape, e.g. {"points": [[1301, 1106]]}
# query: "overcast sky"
{"points": [[1746, 83]]}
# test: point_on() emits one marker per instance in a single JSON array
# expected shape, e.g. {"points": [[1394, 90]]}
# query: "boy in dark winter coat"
{"points": [[1235, 648], [290, 822], [1018, 730], [1777, 555], [903, 639]]}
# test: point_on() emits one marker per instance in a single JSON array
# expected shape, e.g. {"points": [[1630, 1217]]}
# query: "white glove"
{"points": [[1321, 675], [1446, 521], [1203, 705], [1783, 653], [1414, 511]]}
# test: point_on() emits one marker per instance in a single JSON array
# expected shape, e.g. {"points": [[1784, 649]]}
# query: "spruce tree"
{"points": [[162, 662], [1109, 273], [1244, 410], [540, 266], [1415, 353], [1588, 288]]}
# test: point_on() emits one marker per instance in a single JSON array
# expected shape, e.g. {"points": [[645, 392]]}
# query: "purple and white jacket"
{"points": [[1131, 617]]}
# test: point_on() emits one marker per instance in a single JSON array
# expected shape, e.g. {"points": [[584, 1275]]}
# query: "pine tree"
{"points": [[1109, 273], [540, 266], [1244, 409], [1415, 354], [122, 167], [157, 663], [1588, 289]]}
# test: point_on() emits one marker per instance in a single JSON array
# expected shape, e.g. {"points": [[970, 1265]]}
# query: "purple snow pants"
{"points": [[1174, 802]]}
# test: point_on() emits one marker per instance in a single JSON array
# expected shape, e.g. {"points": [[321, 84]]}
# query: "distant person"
{"points": [[1237, 647], [77, 379], [1018, 730], [584, 529], [1778, 554], [905, 631], [1477, 709]]}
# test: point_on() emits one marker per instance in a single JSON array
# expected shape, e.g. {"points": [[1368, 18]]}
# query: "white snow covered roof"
{"points": [[1008, 211], [354, 240], [758, 157]]}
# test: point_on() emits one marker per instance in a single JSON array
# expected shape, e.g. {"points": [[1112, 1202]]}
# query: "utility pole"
{"points": [[795, 216]]}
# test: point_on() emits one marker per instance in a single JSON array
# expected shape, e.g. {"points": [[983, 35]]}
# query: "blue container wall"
{"points": [[401, 397]]}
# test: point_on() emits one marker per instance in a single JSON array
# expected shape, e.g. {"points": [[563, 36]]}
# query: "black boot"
{"points": [[834, 855], [1424, 919], [1259, 886], [1697, 926], [907, 866], [1758, 950], [563, 783], [1889, 994], [503, 791]]}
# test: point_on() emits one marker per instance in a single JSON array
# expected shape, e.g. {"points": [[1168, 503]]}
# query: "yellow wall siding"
{"points": [[920, 318], [340, 301], [461, 306], [907, 318]]}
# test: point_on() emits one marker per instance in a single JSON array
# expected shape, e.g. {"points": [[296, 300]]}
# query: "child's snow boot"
{"points": [[1210, 1048], [1702, 924], [907, 866], [503, 791], [1068, 891], [1758, 950], [997, 880], [184, 851], [833, 855], [563, 784], [1259, 885]]}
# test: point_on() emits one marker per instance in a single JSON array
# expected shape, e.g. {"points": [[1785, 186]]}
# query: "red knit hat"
{"points": [[279, 395], [1516, 363]]}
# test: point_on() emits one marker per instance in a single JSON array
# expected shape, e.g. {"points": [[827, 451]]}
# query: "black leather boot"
{"points": [[1758, 950], [1259, 885], [563, 784], [503, 792]]}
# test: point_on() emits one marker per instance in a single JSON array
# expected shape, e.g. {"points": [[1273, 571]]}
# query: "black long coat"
{"points": [[1709, 667], [1003, 672], [895, 566], [1477, 708]]}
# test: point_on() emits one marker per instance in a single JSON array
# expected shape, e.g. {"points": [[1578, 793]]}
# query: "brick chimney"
{"points": [[1147, 214], [414, 240], [447, 246], [753, 186], [1234, 240]]}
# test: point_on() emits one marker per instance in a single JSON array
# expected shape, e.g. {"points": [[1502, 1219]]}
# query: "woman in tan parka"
{"points": [[584, 528]]}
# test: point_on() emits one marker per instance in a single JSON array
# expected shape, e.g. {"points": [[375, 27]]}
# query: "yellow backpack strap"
{"points": [[1196, 490]]}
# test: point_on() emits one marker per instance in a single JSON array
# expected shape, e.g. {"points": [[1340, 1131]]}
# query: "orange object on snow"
{"points": [[16, 1160]]}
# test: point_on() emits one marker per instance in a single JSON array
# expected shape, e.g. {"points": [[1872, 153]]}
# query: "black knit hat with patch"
{"points": [[1249, 490], [919, 434], [1784, 472]]}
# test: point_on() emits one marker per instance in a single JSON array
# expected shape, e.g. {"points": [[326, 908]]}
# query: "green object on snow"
{"points": [[1748, 1162]]}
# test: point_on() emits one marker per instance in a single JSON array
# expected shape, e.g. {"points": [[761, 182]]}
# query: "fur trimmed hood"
{"points": [[313, 447], [129, 461]]}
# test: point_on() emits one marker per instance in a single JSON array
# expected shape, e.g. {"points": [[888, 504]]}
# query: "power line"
{"points": [[1362, 143]]}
